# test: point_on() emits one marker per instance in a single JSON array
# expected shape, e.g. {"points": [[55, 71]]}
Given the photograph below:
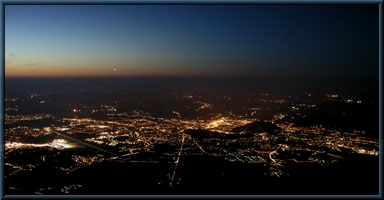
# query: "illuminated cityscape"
{"points": [[261, 134]]}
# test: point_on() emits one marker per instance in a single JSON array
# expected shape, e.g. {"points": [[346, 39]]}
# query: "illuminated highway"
{"points": [[177, 160]]}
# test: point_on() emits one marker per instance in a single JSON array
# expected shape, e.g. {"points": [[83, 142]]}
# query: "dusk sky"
{"points": [[327, 41]]}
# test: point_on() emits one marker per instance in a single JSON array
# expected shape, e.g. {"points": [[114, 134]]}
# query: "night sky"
{"points": [[290, 41]]}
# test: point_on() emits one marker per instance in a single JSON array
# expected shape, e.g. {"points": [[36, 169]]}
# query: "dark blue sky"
{"points": [[292, 41]]}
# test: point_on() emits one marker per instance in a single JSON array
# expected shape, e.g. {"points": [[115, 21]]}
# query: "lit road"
{"points": [[14, 172], [273, 160], [201, 148], [177, 160]]}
